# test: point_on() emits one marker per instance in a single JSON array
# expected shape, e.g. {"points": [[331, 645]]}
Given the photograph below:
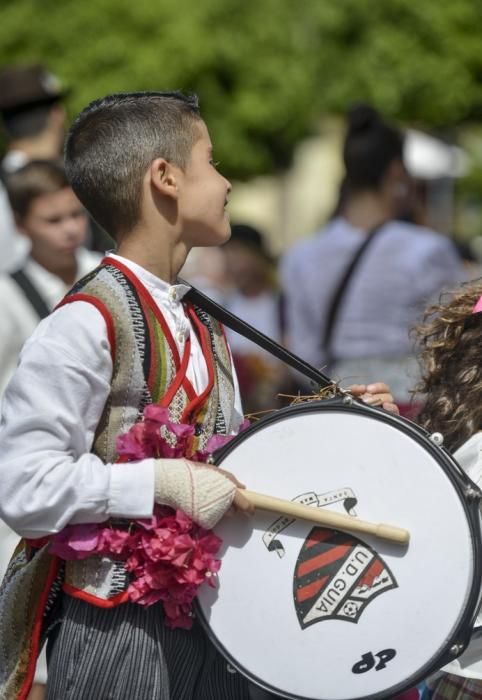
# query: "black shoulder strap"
{"points": [[31, 293], [341, 290], [239, 326]]}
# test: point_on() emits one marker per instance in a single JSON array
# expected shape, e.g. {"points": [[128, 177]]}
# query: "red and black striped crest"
{"points": [[336, 576]]}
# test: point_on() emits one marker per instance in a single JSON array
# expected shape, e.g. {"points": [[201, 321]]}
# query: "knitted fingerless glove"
{"points": [[203, 494]]}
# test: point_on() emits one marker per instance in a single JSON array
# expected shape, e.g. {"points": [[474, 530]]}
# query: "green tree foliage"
{"points": [[264, 69]]}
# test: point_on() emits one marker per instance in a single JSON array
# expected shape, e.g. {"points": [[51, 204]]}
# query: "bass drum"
{"points": [[317, 614]]}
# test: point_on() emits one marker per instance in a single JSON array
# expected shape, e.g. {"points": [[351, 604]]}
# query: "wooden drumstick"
{"points": [[327, 518]]}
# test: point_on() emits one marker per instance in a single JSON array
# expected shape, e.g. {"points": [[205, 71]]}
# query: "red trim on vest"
{"points": [[100, 306], [117, 599], [205, 341], [37, 628], [147, 298], [187, 385], [186, 382], [179, 378], [180, 364]]}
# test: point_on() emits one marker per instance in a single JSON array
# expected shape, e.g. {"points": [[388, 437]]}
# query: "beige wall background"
{"points": [[294, 204]]}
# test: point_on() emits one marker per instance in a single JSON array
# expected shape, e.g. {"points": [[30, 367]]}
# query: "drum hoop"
{"points": [[461, 635]]}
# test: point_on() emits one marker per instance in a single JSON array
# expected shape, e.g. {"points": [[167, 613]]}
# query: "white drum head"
{"points": [[318, 614]]}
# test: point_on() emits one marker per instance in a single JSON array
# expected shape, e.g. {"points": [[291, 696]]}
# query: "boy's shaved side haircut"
{"points": [[36, 178], [114, 140]]}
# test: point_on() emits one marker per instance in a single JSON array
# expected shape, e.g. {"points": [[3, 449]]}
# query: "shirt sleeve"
{"points": [[50, 411]]}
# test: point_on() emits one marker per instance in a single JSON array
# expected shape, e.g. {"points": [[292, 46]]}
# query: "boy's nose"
{"points": [[74, 228]]}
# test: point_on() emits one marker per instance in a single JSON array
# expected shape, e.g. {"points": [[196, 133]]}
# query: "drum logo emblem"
{"points": [[336, 577]]}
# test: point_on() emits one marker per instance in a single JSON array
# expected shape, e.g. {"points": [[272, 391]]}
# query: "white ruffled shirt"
{"points": [[50, 411]]}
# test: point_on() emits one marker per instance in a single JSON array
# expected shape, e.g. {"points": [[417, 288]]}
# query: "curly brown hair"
{"points": [[449, 341]]}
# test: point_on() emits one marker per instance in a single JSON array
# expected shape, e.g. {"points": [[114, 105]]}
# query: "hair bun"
{"points": [[361, 117]]}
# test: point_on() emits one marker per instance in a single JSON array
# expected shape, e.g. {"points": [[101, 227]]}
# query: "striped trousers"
{"points": [[451, 687], [127, 653]]}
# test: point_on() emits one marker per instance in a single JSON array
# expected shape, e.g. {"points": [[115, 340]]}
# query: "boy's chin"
{"points": [[214, 237]]}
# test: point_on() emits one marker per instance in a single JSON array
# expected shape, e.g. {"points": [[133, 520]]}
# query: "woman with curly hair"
{"points": [[450, 342]]}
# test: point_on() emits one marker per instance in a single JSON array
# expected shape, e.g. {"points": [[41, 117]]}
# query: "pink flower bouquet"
{"points": [[169, 556]]}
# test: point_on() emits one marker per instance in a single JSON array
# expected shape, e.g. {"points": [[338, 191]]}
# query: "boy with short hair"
{"points": [[55, 223], [142, 165]]}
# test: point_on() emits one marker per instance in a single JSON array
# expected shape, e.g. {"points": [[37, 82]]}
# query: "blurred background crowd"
{"points": [[351, 132]]}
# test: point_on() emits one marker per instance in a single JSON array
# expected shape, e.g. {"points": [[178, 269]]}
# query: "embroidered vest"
{"points": [[146, 368]]}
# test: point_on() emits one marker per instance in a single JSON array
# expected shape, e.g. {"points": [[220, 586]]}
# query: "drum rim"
{"points": [[460, 481]]}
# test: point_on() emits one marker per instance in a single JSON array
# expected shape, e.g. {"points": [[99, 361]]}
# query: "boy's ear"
{"points": [[164, 177]]}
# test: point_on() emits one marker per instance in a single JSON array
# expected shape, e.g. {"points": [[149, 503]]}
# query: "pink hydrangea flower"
{"points": [[169, 556], [76, 542]]}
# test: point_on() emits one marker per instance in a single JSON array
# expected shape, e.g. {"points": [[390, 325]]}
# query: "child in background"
{"points": [[50, 216], [450, 342], [254, 296]]}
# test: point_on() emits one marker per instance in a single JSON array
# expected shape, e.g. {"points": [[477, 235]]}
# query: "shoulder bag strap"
{"points": [[341, 290], [31, 293]]}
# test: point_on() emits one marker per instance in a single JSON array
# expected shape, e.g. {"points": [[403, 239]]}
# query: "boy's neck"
{"points": [[156, 256]]}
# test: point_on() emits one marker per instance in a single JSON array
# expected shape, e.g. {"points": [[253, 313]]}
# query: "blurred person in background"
{"points": [[205, 269], [33, 117], [33, 125], [470, 259], [448, 342], [49, 214], [354, 290], [53, 220], [255, 297]]}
